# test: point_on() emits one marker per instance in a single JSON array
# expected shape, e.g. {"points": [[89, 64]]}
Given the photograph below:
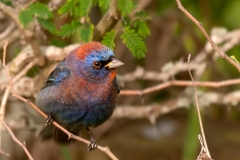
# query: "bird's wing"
{"points": [[60, 73]]}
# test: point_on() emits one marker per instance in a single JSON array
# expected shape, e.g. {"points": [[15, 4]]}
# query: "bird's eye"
{"points": [[97, 64]]}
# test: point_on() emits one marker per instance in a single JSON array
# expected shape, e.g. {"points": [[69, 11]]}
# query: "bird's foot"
{"points": [[92, 145], [48, 120]]}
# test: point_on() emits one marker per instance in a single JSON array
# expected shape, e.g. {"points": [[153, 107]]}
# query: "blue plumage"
{"points": [[81, 92]]}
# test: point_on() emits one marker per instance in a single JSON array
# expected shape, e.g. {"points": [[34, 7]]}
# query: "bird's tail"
{"points": [[59, 136]]}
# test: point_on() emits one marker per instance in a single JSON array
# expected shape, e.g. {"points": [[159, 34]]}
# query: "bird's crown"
{"points": [[94, 49]]}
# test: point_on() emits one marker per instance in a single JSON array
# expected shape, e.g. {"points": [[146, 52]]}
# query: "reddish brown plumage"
{"points": [[84, 50]]}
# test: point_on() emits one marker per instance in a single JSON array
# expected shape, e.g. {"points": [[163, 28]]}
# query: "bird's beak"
{"points": [[114, 63]]}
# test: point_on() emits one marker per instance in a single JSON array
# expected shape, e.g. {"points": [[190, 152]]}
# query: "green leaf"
{"points": [[58, 43], [142, 28], [104, 4], [108, 39], [46, 24], [125, 6], [25, 17], [41, 10], [69, 29], [33, 71], [134, 43], [68, 7], [86, 33], [7, 2], [85, 7], [142, 15]]}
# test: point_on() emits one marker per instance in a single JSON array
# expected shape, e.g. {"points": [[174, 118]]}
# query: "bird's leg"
{"points": [[48, 120], [93, 143]]}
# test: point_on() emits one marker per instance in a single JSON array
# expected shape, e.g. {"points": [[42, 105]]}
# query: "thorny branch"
{"points": [[103, 149]]}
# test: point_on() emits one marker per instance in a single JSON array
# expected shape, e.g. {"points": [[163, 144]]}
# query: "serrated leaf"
{"points": [[68, 7], [142, 14], [48, 25], [104, 4], [108, 39], [76, 11], [69, 29], [134, 43], [25, 17], [85, 6], [86, 33], [125, 6], [142, 28], [41, 10]]}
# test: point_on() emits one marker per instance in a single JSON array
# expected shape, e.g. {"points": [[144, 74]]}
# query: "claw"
{"points": [[48, 120], [93, 143]]}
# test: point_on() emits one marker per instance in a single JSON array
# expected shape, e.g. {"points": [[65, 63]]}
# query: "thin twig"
{"points": [[199, 24], [180, 83], [2, 110], [14, 94], [4, 153], [23, 71], [23, 145], [198, 110], [8, 30], [28, 34]]}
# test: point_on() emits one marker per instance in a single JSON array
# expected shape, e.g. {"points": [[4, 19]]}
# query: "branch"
{"points": [[198, 110], [103, 149], [28, 34], [108, 21], [7, 31], [23, 145], [13, 36], [154, 110], [180, 83], [199, 24]]}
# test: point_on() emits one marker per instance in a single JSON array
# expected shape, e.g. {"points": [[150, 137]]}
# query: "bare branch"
{"points": [[198, 110], [180, 83], [28, 34], [14, 94], [206, 99], [23, 145], [108, 21], [8, 30], [199, 24]]}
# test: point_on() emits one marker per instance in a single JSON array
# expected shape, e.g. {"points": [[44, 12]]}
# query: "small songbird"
{"points": [[80, 92]]}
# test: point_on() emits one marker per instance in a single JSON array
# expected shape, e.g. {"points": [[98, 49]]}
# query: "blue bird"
{"points": [[80, 92]]}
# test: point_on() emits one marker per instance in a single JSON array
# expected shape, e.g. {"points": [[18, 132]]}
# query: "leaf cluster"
{"points": [[134, 29]]}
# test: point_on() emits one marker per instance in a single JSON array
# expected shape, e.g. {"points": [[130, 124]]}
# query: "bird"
{"points": [[80, 92]]}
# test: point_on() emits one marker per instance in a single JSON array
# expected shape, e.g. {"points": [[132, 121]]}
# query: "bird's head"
{"points": [[96, 61]]}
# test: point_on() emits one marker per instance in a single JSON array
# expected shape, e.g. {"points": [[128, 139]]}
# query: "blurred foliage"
{"points": [[65, 152], [79, 9], [191, 140], [7, 2]]}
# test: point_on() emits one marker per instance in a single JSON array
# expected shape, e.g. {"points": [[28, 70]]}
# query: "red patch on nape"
{"points": [[85, 49]]}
